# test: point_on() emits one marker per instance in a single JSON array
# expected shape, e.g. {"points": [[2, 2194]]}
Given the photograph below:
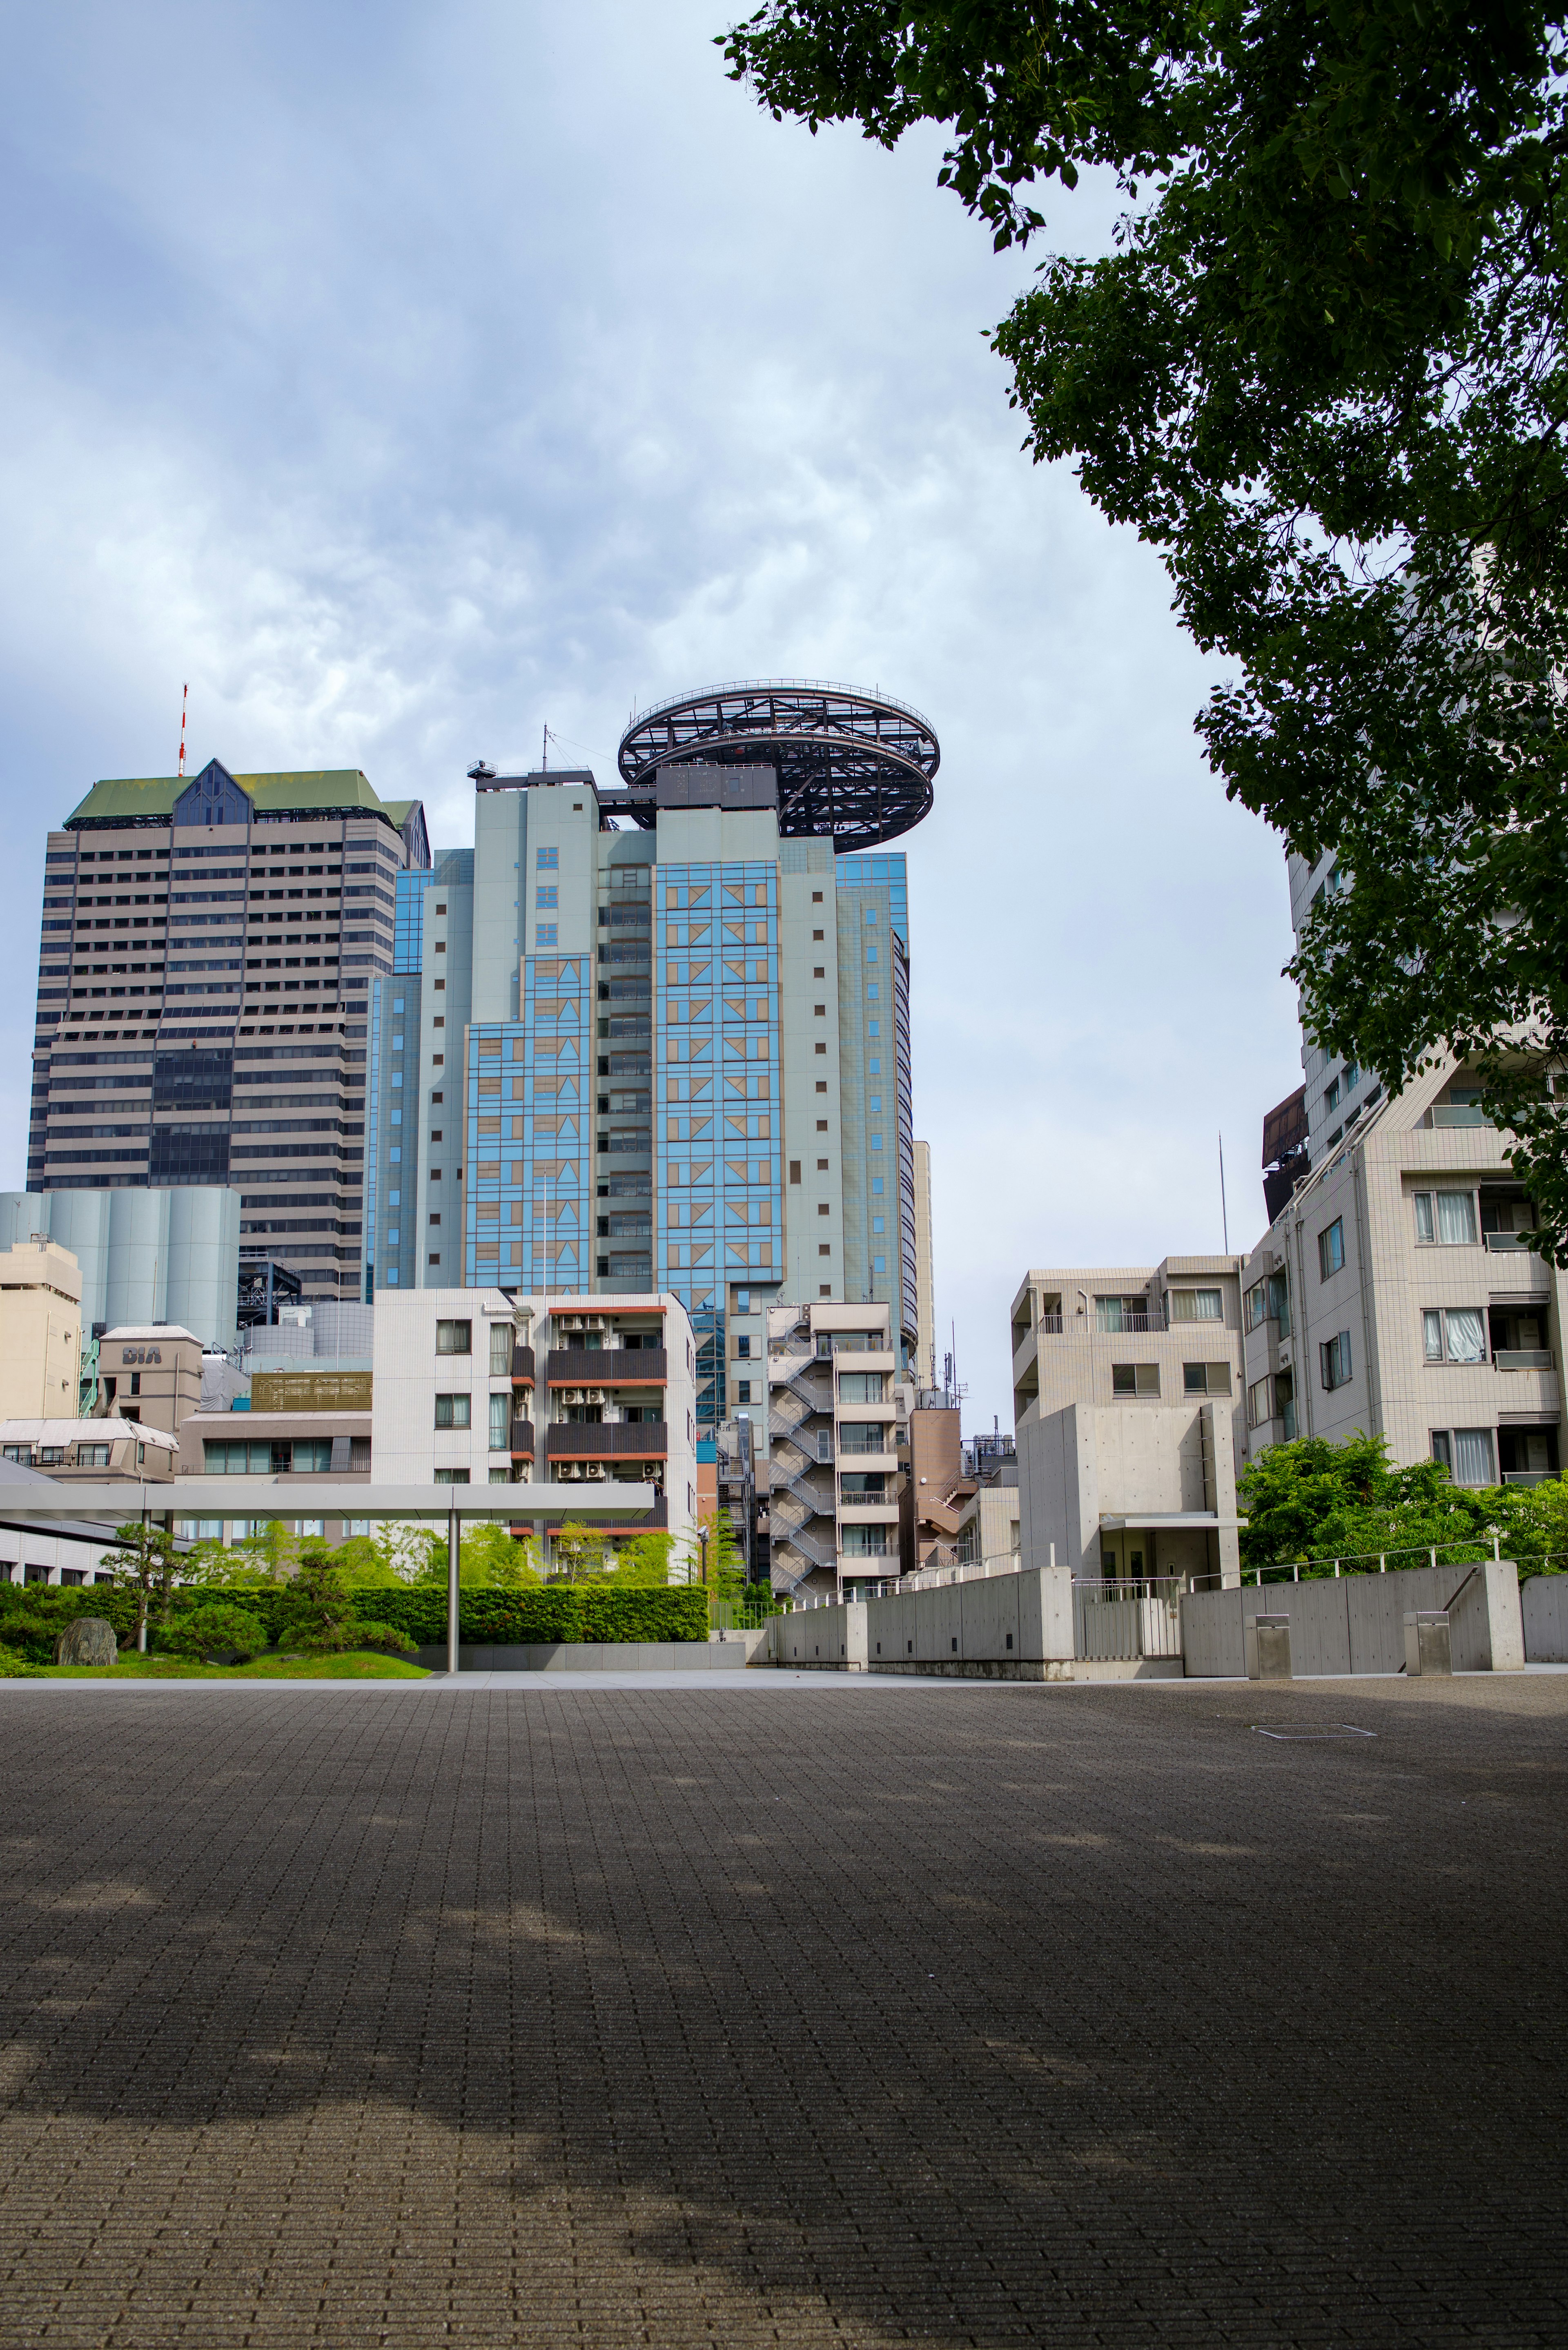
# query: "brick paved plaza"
{"points": [[837, 2013]]}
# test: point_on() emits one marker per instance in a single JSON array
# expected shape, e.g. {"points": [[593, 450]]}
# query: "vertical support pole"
{"points": [[453, 1542], [1382, 1562]]}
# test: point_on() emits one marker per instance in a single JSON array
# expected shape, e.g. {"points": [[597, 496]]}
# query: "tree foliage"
{"points": [[1321, 370], [1316, 1502]]}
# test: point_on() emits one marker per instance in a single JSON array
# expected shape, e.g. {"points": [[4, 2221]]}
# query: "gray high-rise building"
{"points": [[652, 1034], [208, 944]]}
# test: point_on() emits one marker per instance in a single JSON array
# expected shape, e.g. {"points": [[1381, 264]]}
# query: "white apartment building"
{"points": [[1127, 1406], [1393, 1294], [836, 1415], [476, 1387]]}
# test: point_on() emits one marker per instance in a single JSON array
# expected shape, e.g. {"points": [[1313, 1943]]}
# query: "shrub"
{"points": [[214, 1630], [16, 1667]]}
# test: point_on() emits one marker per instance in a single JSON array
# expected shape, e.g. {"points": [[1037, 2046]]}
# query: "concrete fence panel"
{"points": [[1545, 1608], [1355, 1623]]}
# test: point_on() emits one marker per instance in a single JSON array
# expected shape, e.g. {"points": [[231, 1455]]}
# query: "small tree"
{"points": [[144, 1558], [579, 1555], [642, 1564], [492, 1559], [712, 1554]]}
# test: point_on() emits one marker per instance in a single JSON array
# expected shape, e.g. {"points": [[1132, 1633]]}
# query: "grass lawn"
{"points": [[358, 1665]]}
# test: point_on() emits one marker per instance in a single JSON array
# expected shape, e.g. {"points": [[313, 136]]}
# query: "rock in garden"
{"points": [[87, 1641]]}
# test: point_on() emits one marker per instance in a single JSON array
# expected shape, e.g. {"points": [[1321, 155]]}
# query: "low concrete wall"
{"points": [[1004, 1627], [738, 1649], [1543, 1603], [1355, 1623]]}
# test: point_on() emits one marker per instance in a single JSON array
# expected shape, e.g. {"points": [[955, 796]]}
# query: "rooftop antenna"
{"points": [[184, 697], [544, 753], [1224, 1218]]}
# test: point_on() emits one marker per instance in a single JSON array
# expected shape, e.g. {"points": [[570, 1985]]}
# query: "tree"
{"points": [[580, 1555], [1322, 371], [712, 1554], [642, 1564], [144, 1558], [1315, 1502], [323, 1610]]}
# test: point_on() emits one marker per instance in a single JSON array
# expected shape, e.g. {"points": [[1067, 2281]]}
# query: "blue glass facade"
{"points": [[526, 1147], [716, 1058]]}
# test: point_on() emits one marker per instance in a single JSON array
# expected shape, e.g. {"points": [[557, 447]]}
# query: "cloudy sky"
{"points": [[408, 378]]}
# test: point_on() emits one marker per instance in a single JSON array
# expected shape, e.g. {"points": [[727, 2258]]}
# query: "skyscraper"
{"points": [[208, 944], [653, 1034]]}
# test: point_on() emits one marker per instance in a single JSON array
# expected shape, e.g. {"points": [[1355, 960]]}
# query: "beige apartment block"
{"points": [[1127, 1404], [1394, 1295], [483, 1387], [149, 1372], [836, 1415], [40, 1331]]}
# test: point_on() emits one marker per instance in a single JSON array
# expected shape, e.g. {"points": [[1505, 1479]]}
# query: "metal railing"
{"points": [[1376, 1562], [1121, 1622]]}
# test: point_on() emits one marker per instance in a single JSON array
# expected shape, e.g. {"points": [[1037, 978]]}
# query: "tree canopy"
{"points": [[1322, 371], [1316, 1501]]}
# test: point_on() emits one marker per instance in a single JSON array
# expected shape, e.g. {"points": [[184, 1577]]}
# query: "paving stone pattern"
{"points": [[809, 2016]]}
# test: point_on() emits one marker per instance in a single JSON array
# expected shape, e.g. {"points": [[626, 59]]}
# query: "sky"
{"points": [[407, 380]]}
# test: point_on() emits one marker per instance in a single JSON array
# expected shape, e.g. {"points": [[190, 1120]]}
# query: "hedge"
{"points": [[561, 1612]]}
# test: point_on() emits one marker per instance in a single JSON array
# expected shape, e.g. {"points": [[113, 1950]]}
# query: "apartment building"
{"points": [[40, 1331], [838, 1415], [1394, 1295], [652, 1035], [206, 952], [1128, 1398], [483, 1387]]}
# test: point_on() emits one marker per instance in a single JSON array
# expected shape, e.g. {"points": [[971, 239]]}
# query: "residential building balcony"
{"points": [[653, 1520], [607, 1367], [601, 1440], [1457, 1114], [1523, 1358], [522, 1445], [522, 1366]]}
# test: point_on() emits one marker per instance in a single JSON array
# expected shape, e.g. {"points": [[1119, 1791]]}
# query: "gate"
{"points": [[1120, 1622]]}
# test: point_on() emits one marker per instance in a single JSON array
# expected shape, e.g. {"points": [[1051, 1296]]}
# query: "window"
{"points": [[452, 1476], [1194, 1305], [500, 1423], [1260, 1403], [743, 1391], [455, 1337], [1425, 1228], [1453, 1335], [500, 1350], [548, 860], [1135, 1378], [1456, 1219], [312, 1454], [547, 896], [743, 1348], [1443, 1448], [1255, 1305], [1334, 1360], [1330, 1249], [861, 1387], [1206, 1378], [452, 1411], [1116, 1314], [1473, 1463], [546, 934], [865, 1541], [1331, 1095]]}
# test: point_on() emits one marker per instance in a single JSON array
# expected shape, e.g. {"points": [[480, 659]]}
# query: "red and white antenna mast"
{"points": [[184, 697]]}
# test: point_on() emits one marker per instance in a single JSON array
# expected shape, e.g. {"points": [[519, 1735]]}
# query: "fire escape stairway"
{"points": [[794, 1463]]}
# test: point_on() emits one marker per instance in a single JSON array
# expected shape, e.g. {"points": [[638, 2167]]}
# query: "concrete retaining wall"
{"points": [[1004, 1627], [1355, 1623], [1543, 1603], [736, 1649]]}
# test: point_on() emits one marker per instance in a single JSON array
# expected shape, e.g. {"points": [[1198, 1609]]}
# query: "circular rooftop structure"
{"points": [[853, 767]]}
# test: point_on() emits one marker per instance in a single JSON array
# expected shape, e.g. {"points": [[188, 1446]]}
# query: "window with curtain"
{"points": [[455, 1337], [452, 1411], [1454, 1335], [500, 1423], [1456, 1218], [500, 1349], [1424, 1230], [1473, 1457], [1194, 1305]]}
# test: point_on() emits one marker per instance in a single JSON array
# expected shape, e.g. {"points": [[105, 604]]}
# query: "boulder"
{"points": [[87, 1641]]}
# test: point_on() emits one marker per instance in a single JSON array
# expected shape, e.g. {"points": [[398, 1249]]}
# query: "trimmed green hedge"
{"points": [[488, 1618]]}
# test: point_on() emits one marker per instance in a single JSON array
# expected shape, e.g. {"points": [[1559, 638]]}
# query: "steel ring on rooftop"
{"points": [[853, 767]]}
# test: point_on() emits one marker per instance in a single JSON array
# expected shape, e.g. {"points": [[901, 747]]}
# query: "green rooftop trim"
{"points": [[150, 799]]}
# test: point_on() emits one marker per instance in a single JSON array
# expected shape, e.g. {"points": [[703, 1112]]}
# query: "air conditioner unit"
{"points": [[593, 1470], [566, 1471], [593, 1395]]}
